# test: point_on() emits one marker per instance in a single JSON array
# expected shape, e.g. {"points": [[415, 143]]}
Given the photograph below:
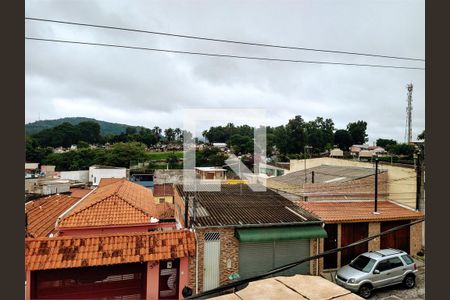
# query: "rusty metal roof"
{"points": [[239, 206]]}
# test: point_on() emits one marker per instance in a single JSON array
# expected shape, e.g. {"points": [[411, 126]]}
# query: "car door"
{"points": [[381, 274], [397, 268]]}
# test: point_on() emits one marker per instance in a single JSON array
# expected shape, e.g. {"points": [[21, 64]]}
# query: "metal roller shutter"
{"points": [[289, 251], [257, 258]]}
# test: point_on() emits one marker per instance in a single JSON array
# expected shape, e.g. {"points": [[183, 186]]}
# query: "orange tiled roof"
{"points": [[79, 192], [106, 181], [97, 250], [43, 212], [119, 203], [347, 212]]}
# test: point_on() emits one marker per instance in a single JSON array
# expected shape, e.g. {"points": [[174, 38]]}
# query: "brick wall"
{"points": [[415, 238], [374, 229], [179, 207], [313, 251], [229, 251]]}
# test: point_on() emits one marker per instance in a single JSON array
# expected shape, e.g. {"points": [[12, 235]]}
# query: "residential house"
{"points": [[210, 173], [80, 175], [31, 170], [43, 186], [221, 146], [163, 193], [242, 231], [114, 242], [97, 172], [348, 222], [329, 182], [336, 152], [271, 169]]}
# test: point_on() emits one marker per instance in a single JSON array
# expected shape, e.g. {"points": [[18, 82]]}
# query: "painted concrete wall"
{"points": [[95, 175], [82, 175], [401, 180]]}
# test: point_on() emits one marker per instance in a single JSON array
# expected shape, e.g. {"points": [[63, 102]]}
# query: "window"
{"points": [[389, 264], [363, 263], [383, 265], [161, 200], [407, 259], [395, 262]]}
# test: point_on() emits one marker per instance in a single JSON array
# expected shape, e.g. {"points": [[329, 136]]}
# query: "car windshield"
{"points": [[363, 263]]}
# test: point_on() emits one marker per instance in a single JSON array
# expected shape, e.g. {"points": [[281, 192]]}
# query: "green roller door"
{"points": [[289, 251], [257, 258]]}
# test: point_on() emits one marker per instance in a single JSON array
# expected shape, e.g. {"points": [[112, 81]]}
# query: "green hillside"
{"points": [[105, 127]]}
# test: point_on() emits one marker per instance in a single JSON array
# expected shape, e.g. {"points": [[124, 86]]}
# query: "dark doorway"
{"points": [[126, 281], [398, 239], [168, 279], [352, 232], [330, 260]]}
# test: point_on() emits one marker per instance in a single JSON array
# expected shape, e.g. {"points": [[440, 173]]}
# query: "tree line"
{"points": [[319, 133]]}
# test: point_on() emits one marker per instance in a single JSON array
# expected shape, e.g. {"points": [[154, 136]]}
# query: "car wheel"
{"points": [[365, 291], [410, 281]]}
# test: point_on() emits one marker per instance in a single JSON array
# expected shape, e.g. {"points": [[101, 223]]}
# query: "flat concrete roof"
{"points": [[300, 287]]}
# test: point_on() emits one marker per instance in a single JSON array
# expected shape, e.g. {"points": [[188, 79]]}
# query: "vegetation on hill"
{"points": [[105, 127]]}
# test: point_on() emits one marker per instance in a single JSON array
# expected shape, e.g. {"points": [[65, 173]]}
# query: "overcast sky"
{"points": [[152, 89]]}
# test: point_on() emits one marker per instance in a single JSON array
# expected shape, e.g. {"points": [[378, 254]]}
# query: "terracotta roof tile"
{"points": [[347, 212], [43, 212], [96, 250], [119, 203], [79, 192], [106, 181]]}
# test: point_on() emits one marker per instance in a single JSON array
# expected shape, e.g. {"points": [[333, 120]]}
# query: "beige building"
{"points": [[401, 180]]}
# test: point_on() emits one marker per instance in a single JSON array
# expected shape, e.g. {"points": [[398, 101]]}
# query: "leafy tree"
{"points": [[122, 153], [343, 139], [82, 145], [295, 130], [241, 144], [421, 137], [169, 134], [385, 142], [401, 149], [172, 161], [89, 132], [358, 132]]}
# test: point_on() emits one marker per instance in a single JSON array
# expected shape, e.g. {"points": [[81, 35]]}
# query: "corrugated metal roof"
{"points": [[326, 173], [238, 205]]}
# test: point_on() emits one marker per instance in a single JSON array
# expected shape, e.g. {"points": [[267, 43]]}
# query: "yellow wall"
{"points": [[401, 180]]}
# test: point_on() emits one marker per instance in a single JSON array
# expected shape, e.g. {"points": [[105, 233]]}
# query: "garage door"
{"points": [[398, 239], [351, 233], [257, 258], [127, 281]]}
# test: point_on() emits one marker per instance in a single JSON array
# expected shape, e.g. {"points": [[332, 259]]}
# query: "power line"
{"points": [[294, 264], [221, 55], [223, 40]]}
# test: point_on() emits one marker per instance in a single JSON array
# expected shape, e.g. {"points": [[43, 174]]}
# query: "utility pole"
{"points": [[376, 186], [419, 179], [408, 134]]}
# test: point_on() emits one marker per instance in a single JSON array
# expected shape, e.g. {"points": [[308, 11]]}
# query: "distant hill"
{"points": [[105, 127]]}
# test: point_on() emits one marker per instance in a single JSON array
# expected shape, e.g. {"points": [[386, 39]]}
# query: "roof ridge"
{"points": [[93, 203]]}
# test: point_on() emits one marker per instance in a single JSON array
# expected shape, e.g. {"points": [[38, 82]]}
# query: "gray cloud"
{"points": [[148, 88]]}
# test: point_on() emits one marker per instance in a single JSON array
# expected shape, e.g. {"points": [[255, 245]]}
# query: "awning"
{"points": [[264, 234]]}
